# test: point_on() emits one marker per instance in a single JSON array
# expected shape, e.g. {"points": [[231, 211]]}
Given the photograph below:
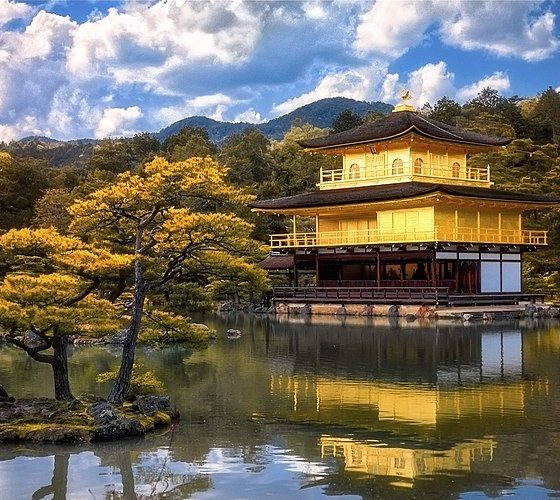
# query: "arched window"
{"points": [[397, 166], [354, 171], [455, 169], [418, 166]]}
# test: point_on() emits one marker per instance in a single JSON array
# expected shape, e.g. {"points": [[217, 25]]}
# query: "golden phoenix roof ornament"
{"points": [[406, 95]]}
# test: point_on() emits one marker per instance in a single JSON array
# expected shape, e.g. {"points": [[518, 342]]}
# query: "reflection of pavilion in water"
{"points": [[405, 463], [439, 354], [460, 388]]}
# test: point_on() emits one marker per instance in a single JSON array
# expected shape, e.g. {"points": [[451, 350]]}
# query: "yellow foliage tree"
{"points": [[177, 221], [46, 288]]}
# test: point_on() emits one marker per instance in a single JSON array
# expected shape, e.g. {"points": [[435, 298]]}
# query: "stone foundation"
{"points": [[386, 310], [412, 312]]}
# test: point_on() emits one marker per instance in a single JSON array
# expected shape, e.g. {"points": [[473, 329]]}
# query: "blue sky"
{"points": [[88, 68]]}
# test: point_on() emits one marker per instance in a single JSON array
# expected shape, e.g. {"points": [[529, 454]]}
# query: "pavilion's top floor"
{"points": [[402, 147]]}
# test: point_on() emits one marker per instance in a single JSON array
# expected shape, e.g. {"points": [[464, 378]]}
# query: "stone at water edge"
{"points": [[232, 333], [530, 310], [200, 326], [394, 311], [150, 405], [467, 317]]}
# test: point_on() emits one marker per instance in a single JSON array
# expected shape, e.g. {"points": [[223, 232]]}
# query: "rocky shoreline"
{"points": [[85, 420]]}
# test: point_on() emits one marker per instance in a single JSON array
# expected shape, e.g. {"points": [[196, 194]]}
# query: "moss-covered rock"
{"points": [[48, 420]]}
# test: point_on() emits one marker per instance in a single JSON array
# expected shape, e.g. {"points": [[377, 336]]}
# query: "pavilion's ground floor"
{"points": [[413, 274]]}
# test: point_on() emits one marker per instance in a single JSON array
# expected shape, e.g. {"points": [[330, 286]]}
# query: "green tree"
{"points": [[446, 110], [175, 221], [548, 110], [190, 142], [51, 210], [145, 146], [114, 155], [247, 156], [345, 121], [22, 183], [487, 99]]}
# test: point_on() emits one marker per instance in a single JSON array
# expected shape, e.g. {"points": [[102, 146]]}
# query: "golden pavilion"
{"points": [[404, 219]]}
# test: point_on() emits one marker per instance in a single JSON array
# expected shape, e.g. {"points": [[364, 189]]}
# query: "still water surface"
{"points": [[351, 408]]}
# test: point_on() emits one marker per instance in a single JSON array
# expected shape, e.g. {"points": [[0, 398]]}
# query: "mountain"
{"points": [[217, 130], [56, 153], [78, 152], [320, 113]]}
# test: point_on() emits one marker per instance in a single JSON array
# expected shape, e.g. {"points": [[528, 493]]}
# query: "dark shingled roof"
{"points": [[399, 124], [277, 262], [388, 192]]}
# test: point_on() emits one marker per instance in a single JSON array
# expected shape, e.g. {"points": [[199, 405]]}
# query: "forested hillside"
{"points": [[320, 113], [39, 179]]}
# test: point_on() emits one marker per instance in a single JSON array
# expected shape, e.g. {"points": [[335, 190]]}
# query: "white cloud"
{"points": [[214, 106], [143, 41], [391, 27], [48, 35], [117, 121], [72, 79], [12, 10], [389, 89], [315, 10], [431, 82], [503, 28], [27, 125], [426, 84], [248, 116], [355, 84], [71, 112], [498, 81], [506, 28]]}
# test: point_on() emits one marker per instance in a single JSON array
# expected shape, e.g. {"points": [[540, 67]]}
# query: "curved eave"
{"points": [[436, 192], [412, 129]]}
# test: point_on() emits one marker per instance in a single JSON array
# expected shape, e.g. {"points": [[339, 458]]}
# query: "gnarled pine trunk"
{"points": [[122, 383], [59, 365]]}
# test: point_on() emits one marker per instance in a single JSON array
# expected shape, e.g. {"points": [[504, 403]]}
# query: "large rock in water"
{"points": [[44, 419], [110, 425], [150, 405]]}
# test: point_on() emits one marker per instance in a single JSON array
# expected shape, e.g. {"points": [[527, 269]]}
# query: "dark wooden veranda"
{"points": [[438, 296]]}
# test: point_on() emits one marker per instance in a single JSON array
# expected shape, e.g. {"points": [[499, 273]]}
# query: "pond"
{"points": [[307, 408]]}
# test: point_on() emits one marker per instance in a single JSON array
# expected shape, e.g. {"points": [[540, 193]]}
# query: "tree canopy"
{"points": [[176, 221]]}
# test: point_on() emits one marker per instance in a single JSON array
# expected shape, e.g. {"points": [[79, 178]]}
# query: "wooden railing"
{"points": [[441, 296], [429, 171], [416, 295], [380, 237]]}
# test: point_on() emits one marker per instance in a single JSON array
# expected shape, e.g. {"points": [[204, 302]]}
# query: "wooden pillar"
{"points": [[433, 263], [500, 227], [317, 277], [456, 232], [296, 284], [339, 271], [458, 276], [378, 268]]}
